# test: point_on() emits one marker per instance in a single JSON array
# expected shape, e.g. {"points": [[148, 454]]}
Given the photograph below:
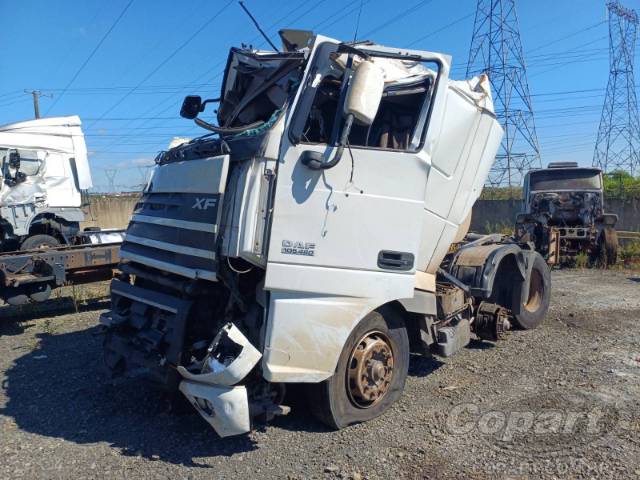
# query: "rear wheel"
{"points": [[370, 374], [39, 242], [535, 303]]}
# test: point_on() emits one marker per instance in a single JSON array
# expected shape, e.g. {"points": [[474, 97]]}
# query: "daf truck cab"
{"points": [[43, 172], [316, 235]]}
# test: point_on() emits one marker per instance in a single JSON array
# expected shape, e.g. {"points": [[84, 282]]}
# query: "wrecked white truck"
{"points": [[44, 173], [315, 236]]}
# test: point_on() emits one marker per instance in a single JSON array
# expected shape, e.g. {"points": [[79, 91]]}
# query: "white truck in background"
{"points": [[44, 172], [317, 235]]}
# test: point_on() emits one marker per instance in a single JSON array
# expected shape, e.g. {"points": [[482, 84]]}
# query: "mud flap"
{"points": [[230, 359]]}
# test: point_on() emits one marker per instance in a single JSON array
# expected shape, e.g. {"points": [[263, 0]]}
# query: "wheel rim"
{"points": [[370, 370], [536, 291]]}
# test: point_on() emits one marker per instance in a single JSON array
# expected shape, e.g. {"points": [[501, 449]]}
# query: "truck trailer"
{"points": [[317, 235]]}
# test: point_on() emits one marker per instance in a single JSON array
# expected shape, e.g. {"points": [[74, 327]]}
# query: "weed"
{"points": [[503, 228], [582, 260], [630, 253]]}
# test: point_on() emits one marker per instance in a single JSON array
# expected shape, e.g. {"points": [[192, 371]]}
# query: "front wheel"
{"points": [[370, 374], [535, 304], [608, 247]]}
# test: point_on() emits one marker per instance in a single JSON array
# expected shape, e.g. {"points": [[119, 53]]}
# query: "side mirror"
{"points": [[191, 107], [14, 159], [365, 92], [361, 104]]}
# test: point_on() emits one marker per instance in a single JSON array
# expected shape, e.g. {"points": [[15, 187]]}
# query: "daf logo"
{"points": [[290, 247], [204, 203]]}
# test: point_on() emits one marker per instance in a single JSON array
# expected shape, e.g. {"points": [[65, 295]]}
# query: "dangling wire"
{"points": [[355, 34]]}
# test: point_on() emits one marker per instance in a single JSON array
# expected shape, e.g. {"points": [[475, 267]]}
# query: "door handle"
{"points": [[400, 261]]}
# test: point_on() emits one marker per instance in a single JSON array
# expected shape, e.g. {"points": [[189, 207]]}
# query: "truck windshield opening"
{"points": [[567, 180]]}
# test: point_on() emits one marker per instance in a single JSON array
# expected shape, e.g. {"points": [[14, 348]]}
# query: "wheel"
{"points": [[17, 296], [534, 308], [39, 242], [608, 246], [370, 374]]}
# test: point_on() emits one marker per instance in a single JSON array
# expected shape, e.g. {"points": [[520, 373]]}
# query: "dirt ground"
{"points": [[562, 401]]}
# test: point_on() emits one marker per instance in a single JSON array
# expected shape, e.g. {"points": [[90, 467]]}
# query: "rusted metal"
{"points": [[554, 246], [370, 369], [491, 322], [56, 266]]}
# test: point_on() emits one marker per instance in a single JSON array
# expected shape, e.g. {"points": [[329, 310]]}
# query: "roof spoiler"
{"points": [[563, 165]]}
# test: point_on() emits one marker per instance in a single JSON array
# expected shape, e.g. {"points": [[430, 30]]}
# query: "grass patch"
{"points": [[582, 260], [630, 254], [502, 228]]}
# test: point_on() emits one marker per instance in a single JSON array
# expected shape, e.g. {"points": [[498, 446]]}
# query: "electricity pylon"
{"points": [[618, 139], [111, 173], [496, 50]]}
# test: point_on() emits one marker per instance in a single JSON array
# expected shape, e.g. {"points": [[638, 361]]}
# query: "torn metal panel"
{"points": [[226, 409], [231, 357]]}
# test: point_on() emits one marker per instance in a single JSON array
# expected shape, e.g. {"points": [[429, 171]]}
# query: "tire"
{"points": [[609, 246], [533, 310], [39, 242], [337, 401]]}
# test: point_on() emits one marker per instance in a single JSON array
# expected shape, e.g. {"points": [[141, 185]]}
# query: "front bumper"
{"points": [[215, 394], [226, 409]]}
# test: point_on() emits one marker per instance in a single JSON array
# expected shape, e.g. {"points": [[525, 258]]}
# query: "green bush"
{"points": [[620, 184], [503, 228], [630, 253]]}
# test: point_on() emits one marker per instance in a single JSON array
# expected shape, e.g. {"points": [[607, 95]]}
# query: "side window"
{"points": [[400, 121], [29, 162], [322, 116], [3, 161], [401, 118]]}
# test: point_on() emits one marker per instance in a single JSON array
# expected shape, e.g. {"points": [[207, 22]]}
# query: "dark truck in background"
{"points": [[563, 215]]}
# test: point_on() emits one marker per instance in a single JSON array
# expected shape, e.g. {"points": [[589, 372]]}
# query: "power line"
{"points": [[93, 52], [573, 34], [440, 30], [217, 65], [168, 58], [397, 17]]}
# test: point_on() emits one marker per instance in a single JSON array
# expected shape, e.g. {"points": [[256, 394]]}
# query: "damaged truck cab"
{"points": [[43, 172], [307, 238]]}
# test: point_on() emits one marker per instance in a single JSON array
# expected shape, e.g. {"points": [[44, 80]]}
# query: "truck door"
{"points": [[360, 222]]}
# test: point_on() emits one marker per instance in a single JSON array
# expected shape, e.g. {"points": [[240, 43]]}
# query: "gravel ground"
{"points": [[562, 401]]}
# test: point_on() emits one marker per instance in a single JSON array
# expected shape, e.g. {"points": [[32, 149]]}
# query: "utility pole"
{"points": [[36, 100], [618, 142], [496, 50]]}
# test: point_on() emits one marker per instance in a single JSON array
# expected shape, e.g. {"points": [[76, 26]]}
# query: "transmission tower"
{"points": [[144, 171], [619, 133], [497, 51], [111, 177]]}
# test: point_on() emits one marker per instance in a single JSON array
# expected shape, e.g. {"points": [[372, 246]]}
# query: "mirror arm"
{"points": [[226, 130], [313, 160], [208, 100]]}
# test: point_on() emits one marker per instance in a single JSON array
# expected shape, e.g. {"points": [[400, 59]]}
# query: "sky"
{"points": [[124, 66]]}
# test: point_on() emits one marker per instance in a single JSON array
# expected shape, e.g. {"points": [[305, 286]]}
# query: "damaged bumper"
{"points": [[213, 392], [226, 409]]}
